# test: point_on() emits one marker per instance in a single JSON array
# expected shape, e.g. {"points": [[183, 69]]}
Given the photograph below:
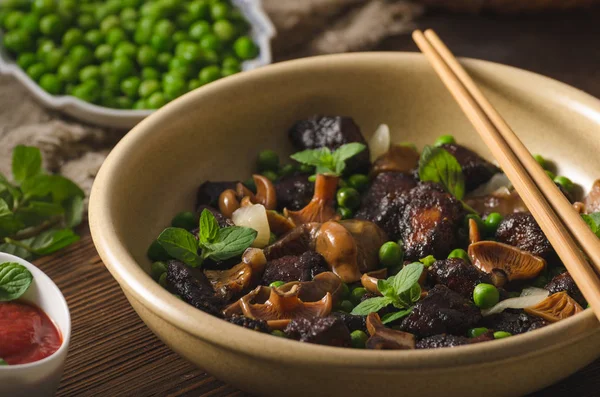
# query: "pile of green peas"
{"points": [[126, 54], [348, 195]]}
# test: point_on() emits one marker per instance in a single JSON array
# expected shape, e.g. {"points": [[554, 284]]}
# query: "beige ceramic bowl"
{"points": [[216, 132]]}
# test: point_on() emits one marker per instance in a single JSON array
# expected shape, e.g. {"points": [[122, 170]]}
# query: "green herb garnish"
{"points": [[593, 221], [38, 210], [214, 242], [437, 165], [14, 281], [326, 161], [401, 291]]}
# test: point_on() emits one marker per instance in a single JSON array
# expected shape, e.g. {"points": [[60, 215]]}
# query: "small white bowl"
{"points": [[40, 378], [262, 32]]}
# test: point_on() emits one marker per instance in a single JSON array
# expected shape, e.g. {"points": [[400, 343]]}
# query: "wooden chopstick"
{"points": [[550, 222]]}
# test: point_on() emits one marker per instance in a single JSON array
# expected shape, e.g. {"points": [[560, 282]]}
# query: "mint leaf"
{"points": [[437, 165], [37, 212], [593, 221], [26, 162], [51, 241], [180, 244], [326, 161], [386, 288], [209, 227], [371, 305], [345, 152], [73, 211], [407, 277], [16, 251], [4, 209], [230, 242], [9, 225], [14, 281], [57, 187], [407, 298], [391, 317], [312, 156]]}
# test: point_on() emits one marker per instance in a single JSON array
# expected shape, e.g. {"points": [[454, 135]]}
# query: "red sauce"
{"points": [[26, 333]]}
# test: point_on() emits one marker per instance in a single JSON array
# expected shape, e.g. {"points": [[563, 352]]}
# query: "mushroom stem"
{"points": [[321, 207]]}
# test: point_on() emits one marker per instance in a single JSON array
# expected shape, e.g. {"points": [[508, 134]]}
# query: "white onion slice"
{"points": [[255, 217], [380, 142], [498, 184], [529, 297]]}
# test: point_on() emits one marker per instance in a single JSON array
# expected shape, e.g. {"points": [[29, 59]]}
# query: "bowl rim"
{"points": [[210, 329], [51, 290]]}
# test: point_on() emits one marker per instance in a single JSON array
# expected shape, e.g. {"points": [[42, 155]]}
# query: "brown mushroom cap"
{"points": [[504, 201], [233, 282], [228, 202], [398, 158], [317, 288], [369, 280], [321, 207], [383, 338], [505, 262], [556, 307], [474, 234], [265, 192], [278, 223], [369, 238]]}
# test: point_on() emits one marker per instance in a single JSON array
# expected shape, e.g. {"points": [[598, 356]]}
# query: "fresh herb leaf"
{"points": [[57, 187], [391, 317], [74, 211], [406, 278], [327, 162], [26, 162], [10, 225], [180, 244], [386, 288], [2, 362], [4, 209], [593, 221], [229, 242], [437, 165], [407, 298], [209, 227], [37, 212], [371, 305], [51, 241], [14, 281], [8, 192], [16, 250]]}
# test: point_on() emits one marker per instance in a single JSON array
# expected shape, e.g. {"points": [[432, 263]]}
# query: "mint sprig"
{"points": [[437, 165], [593, 221], [15, 279], [326, 161], [401, 291], [213, 242]]}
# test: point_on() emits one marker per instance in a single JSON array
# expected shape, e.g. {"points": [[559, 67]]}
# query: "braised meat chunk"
{"points": [[221, 219], [442, 311], [564, 282], [515, 322], [294, 192], [430, 222], [522, 231], [209, 192], [193, 287], [353, 322], [458, 275], [331, 132], [294, 268], [329, 331], [250, 323], [476, 170]]}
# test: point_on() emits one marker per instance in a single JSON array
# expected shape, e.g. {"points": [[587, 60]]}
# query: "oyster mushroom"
{"points": [[383, 338], [295, 242], [505, 262], [398, 158], [556, 307], [320, 208], [318, 288], [228, 202], [350, 247], [240, 278], [278, 223], [369, 280], [474, 234]]}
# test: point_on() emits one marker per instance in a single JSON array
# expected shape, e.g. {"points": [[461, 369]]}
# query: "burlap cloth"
{"points": [[305, 27]]}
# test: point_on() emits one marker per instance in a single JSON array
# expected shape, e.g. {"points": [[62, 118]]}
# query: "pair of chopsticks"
{"points": [[556, 216]]}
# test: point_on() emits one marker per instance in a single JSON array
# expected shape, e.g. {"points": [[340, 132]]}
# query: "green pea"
{"points": [[164, 27], [210, 57], [106, 69], [130, 86], [81, 55], [44, 46], [345, 291], [209, 74], [103, 52], [128, 14], [30, 23], [72, 37], [345, 213], [53, 59], [550, 174], [13, 20], [36, 71], [43, 6], [444, 140], [185, 20], [245, 48], [180, 36], [122, 67], [199, 29], [109, 23], [129, 26], [428, 260], [475, 332], [199, 9], [115, 36], [163, 59], [125, 49], [51, 25], [224, 30], [485, 295], [565, 182], [346, 306], [348, 197], [87, 91], [188, 51], [90, 72], [210, 42], [541, 160], [51, 84], [18, 41], [186, 220], [175, 88], [357, 294], [124, 102], [157, 269], [219, 11], [161, 43], [156, 100], [147, 56], [149, 73], [270, 175], [501, 334], [492, 221], [278, 333], [140, 104], [86, 21], [163, 280], [148, 87], [142, 36], [313, 179], [267, 160], [276, 284], [68, 72], [391, 254], [359, 339], [193, 84], [359, 181], [287, 169], [26, 59], [230, 62], [93, 37], [460, 253]]}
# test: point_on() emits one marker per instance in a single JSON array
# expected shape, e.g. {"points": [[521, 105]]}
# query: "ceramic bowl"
{"points": [[262, 32], [40, 378], [216, 132]]}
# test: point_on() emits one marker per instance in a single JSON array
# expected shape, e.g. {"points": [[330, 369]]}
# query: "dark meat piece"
{"points": [[209, 192], [442, 311], [430, 222], [320, 330], [250, 323], [221, 220], [522, 231], [382, 203], [458, 275], [294, 192], [332, 132], [476, 170], [193, 287], [564, 282], [294, 268], [353, 322], [515, 322]]}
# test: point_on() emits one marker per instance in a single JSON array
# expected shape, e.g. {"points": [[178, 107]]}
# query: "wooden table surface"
{"points": [[113, 353]]}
